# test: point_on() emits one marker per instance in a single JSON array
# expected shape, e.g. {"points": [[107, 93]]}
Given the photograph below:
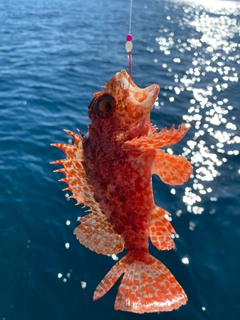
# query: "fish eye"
{"points": [[104, 105]]}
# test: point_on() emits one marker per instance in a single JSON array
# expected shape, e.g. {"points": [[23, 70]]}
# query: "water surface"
{"points": [[53, 56]]}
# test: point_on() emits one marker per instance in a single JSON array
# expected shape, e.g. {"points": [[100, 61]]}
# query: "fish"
{"points": [[109, 171]]}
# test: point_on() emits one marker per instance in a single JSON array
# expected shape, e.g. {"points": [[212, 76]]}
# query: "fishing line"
{"points": [[129, 38], [130, 17]]}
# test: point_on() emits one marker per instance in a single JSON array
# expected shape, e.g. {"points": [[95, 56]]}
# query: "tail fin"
{"points": [[147, 286]]}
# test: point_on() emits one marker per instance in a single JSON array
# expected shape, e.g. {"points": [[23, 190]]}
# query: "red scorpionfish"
{"points": [[110, 171]]}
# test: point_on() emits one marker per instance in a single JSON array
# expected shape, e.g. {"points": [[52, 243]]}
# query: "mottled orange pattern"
{"points": [[110, 172]]}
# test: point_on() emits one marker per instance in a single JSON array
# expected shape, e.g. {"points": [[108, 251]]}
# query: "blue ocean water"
{"points": [[54, 54]]}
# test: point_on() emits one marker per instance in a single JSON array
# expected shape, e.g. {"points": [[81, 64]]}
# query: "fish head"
{"points": [[122, 108]]}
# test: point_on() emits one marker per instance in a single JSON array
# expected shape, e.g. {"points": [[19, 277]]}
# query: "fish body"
{"points": [[110, 171]]}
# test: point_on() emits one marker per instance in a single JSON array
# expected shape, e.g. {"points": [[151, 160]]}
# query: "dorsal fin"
{"points": [[97, 234], [95, 231]]}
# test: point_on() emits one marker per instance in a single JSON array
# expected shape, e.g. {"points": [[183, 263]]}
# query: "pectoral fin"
{"points": [[158, 140]]}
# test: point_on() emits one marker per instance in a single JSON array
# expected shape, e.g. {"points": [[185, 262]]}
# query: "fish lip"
{"points": [[141, 97]]}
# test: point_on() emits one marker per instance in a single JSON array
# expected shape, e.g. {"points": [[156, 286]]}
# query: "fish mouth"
{"points": [[139, 101]]}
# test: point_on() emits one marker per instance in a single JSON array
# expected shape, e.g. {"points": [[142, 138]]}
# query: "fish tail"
{"points": [[147, 286]]}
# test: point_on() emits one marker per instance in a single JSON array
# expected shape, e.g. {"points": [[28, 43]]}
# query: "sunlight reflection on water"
{"points": [[213, 27]]}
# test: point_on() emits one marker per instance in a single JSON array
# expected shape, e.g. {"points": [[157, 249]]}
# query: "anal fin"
{"points": [[161, 230], [96, 233]]}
